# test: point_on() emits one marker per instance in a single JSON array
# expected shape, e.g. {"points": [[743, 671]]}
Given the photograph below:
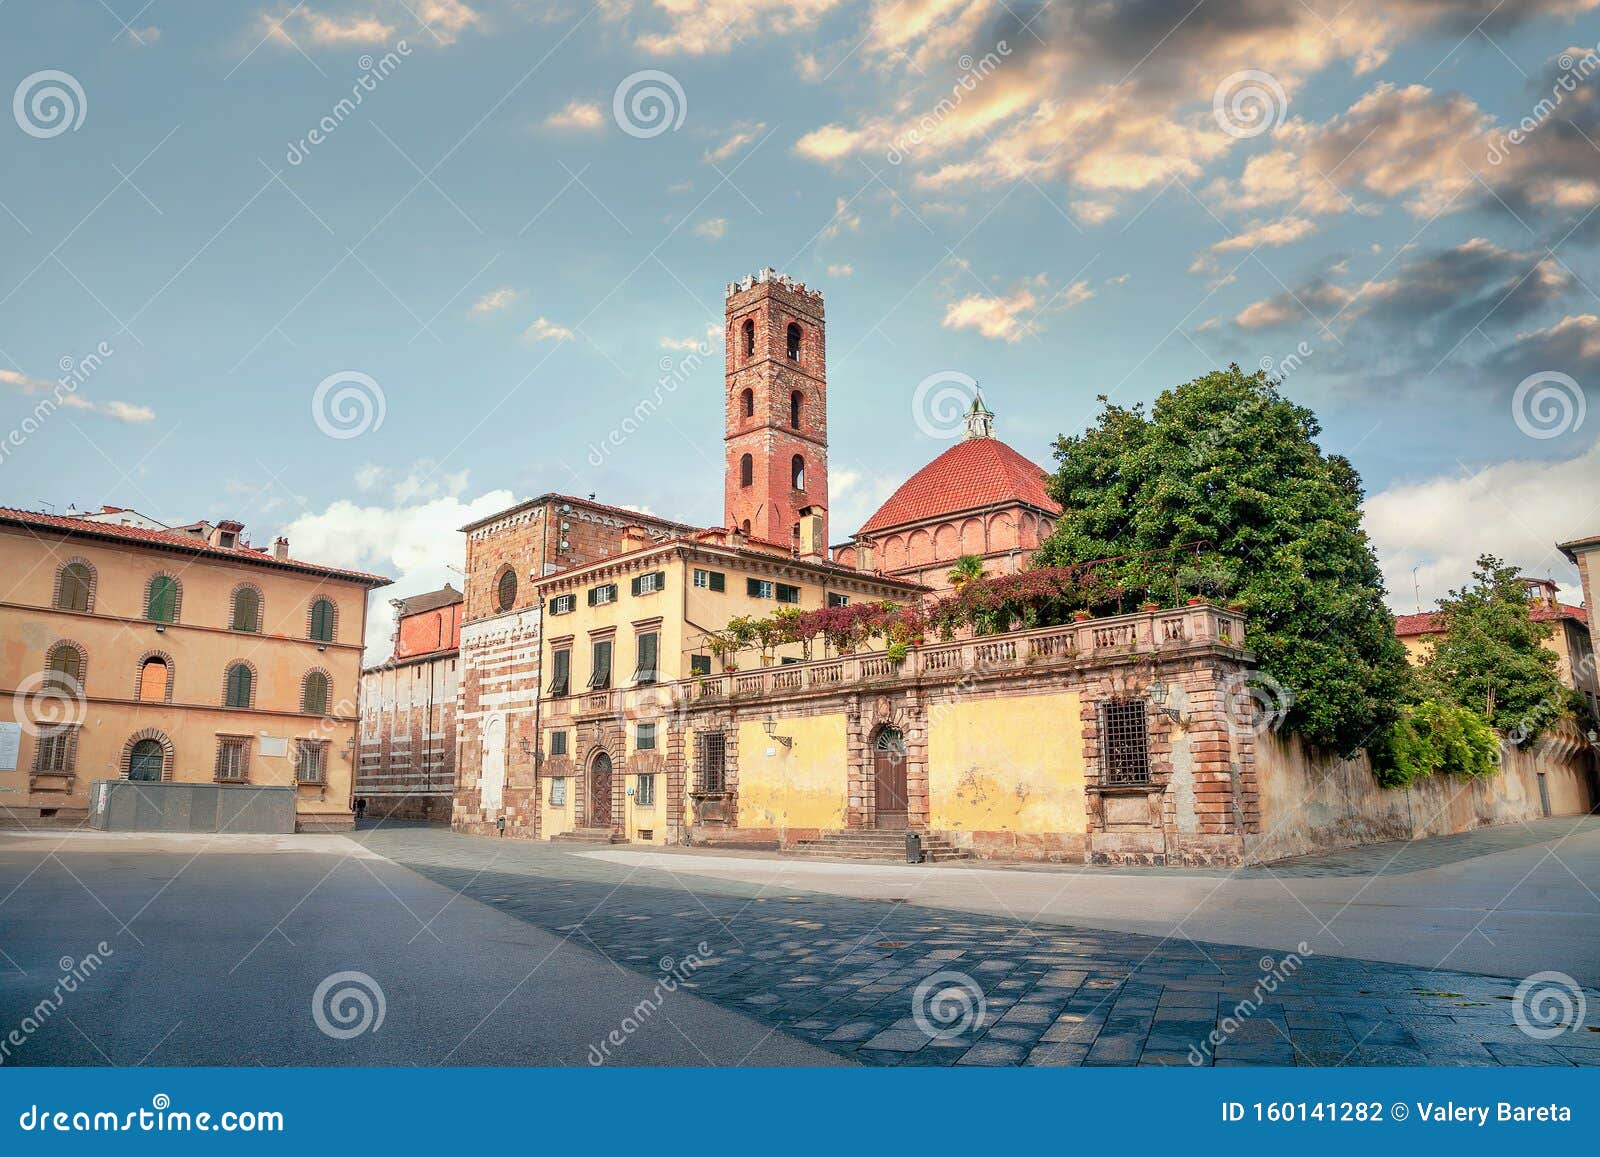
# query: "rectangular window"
{"points": [[561, 680], [603, 595], [558, 791], [838, 600], [758, 588], [647, 792], [558, 743], [649, 584], [1124, 746], [711, 580], [310, 761], [787, 593], [600, 665], [233, 758], [57, 753], [644, 737], [699, 664], [646, 669], [563, 604], [713, 757]]}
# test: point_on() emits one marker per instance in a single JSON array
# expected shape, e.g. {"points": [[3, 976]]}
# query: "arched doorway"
{"points": [[889, 777], [600, 791], [144, 762]]}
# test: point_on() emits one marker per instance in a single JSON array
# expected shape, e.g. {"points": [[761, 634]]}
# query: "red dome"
{"points": [[973, 473]]}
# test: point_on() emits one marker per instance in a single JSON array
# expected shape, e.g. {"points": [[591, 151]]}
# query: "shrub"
{"points": [[1431, 738]]}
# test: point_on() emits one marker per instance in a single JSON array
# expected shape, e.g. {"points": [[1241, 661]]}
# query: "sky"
{"points": [[360, 271]]}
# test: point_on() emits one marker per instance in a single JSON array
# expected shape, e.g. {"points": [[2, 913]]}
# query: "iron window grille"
{"points": [[311, 761], [57, 753], [558, 791], [233, 759], [1124, 742], [647, 791], [713, 755]]}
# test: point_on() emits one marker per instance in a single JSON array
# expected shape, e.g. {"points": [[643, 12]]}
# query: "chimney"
{"points": [[864, 556], [280, 548], [635, 538], [813, 546]]}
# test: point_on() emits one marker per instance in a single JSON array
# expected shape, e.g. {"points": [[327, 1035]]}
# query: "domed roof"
{"points": [[977, 472]]}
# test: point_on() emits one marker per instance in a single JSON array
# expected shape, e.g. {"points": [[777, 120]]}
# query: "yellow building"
{"points": [[617, 630], [176, 654]]}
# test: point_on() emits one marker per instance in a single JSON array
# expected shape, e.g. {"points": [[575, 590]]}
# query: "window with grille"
{"points": [[322, 621], [558, 791], [233, 758], [161, 603], [56, 753], [712, 766], [1124, 744], [646, 670], [644, 738], [758, 588], [558, 743], [561, 679], [600, 665], [563, 604], [310, 761], [240, 686], [647, 791], [76, 583], [786, 593]]}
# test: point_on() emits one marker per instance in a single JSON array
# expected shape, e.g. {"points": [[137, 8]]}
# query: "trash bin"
{"points": [[913, 847]]}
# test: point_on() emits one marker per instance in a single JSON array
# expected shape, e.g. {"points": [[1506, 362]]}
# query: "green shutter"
{"points": [[163, 603]]}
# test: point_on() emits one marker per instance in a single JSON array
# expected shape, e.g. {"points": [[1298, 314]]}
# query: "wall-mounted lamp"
{"points": [[160, 630], [770, 726], [1158, 699]]}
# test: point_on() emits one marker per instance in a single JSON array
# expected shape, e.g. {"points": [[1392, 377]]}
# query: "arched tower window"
{"points": [[796, 400], [747, 471], [747, 404], [744, 527], [797, 472], [748, 335], [793, 341]]}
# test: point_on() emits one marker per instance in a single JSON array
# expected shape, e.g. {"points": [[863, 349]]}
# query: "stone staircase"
{"points": [[589, 836], [876, 847]]}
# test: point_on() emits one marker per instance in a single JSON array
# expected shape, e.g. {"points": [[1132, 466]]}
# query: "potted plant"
{"points": [[1149, 605], [1081, 615]]}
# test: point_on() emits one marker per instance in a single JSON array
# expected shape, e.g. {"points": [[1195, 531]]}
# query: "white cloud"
{"points": [[1267, 233], [496, 300], [712, 228], [1014, 316], [129, 413], [845, 270], [1517, 510], [712, 338], [303, 26], [743, 133], [543, 329], [707, 27], [583, 115], [446, 19]]}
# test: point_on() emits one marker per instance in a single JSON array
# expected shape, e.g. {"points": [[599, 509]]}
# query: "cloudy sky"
{"points": [[361, 270]]}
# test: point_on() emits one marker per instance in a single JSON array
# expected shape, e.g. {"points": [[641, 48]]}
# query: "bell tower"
{"points": [[775, 433]]}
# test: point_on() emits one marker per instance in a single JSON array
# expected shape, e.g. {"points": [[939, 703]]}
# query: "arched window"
{"points": [[147, 761], [505, 590], [155, 680], [322, 621], [64, 668], [797, 472], [744, 527], [747, 404], [161, 599], [314, 693], [240, 686], [246, 614], [793, 343], [748, 330], [75, 587], [747, 471], [796, 400]]}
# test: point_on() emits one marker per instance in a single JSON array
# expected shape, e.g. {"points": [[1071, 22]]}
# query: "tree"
{"points": [[1228, 461], [967, 568], [1492, 658]]}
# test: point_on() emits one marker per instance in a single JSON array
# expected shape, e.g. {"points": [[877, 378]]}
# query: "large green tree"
{"points": [[1228, 461], [1492, 658]]}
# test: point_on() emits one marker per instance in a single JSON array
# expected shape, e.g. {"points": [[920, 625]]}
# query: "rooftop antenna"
{"points": [[50, 507], [1417, 586]]}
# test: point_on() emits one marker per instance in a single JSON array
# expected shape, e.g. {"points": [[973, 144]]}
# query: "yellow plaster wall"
{"points": [[803, 786], [1007, 765]]}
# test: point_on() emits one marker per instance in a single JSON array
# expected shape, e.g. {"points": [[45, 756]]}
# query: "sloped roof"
{"points": [[973, 473], [430, 600]]}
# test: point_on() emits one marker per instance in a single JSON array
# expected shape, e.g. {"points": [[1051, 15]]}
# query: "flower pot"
{"points": [[1148, 607], [1194, 602]]}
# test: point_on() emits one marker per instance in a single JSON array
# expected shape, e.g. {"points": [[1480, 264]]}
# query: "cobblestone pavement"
{"points": [[892, 983]]}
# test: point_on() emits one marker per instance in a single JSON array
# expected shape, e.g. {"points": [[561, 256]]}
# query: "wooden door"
{"points": [[889, 772], [600, 791]]}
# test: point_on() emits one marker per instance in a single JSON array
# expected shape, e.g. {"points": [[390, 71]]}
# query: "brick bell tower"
{"points": [[776, 405]]}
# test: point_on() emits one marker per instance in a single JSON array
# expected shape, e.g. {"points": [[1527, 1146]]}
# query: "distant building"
{"points": [[157, 654], [407, 767]]}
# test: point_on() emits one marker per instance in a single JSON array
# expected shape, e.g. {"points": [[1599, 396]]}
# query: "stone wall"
{"points": [[406, 765]]}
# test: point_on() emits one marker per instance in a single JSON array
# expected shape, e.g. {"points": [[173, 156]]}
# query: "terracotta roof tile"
{"points": [[973, 473]]}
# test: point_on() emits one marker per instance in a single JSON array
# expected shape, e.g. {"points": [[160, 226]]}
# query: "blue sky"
{"points": [[1056, 200]]}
